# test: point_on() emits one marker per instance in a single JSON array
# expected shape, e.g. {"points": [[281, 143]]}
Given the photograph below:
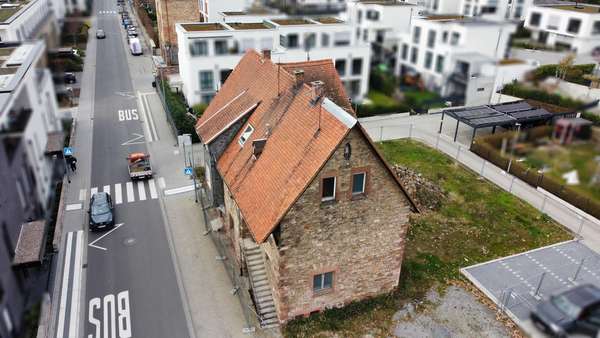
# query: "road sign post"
{"points": [[67, 151]]}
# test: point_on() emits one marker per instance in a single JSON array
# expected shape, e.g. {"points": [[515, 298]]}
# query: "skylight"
{"points": [[246, 134]]}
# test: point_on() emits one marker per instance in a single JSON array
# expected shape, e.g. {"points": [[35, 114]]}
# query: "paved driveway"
{"points": [[518, 283]]}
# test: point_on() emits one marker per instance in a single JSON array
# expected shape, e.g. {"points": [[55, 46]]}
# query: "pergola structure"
{"points": [[504, 114]]}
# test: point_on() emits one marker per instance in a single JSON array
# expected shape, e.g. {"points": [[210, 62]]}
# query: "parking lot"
{"points": [[517, 283]]}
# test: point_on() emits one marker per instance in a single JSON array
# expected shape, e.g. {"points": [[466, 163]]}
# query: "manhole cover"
{"points": [[129, 241]]}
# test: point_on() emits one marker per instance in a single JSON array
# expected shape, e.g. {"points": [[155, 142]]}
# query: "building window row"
{"points": [[357, 66], [329, 186]]}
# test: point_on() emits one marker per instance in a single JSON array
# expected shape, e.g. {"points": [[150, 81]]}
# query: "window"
{"points": [[220, 47], [596, 28], [224, 74], [310, 40], [553, 22], [436, 4], [206, 80], [454, 38], [416, 34], [534, 19], [328, 189], [372, 15], [404, 51], [359, 16], [357, 66], [341, 39], [431, 38], [283, 40], [439, 64], [340, 66], [466, 9], [325, 40], [354, 88], [573, 26], [198, 48], [206, 98], [246, 134], [480, 89], [323, 282], [445, 37], [365, 35], [358, 183], [414, 55], [428, 59]]}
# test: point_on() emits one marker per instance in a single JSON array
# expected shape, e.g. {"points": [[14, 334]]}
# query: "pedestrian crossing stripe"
{"points": [[118, 193]]}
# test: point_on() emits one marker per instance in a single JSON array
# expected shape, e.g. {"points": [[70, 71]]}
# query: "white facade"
{"points": [[72, 6], [495, 10], [210, 9], [26, 88], [444, 48], [25, 22], [568, 26], [207, 52]]}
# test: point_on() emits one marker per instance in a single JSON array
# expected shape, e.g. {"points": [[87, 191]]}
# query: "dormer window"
{"points": [[246, 135]]}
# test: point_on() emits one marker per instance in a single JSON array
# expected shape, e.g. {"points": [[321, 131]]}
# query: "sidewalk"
{"points": [[425, 129]]}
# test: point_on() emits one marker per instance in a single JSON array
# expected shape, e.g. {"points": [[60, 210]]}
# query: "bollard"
{"points": [[536, 294], [511, 184], [437, 142], [482, 168], [572, 280]]}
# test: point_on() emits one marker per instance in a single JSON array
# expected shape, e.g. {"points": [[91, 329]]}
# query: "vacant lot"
{"points": [[476, 222]]}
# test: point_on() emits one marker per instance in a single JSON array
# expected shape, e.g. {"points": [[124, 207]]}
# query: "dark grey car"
{"points": [[101, 212], [574, 311]]}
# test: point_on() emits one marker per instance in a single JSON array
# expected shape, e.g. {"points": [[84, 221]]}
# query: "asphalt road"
{"points": [[131, 288]]}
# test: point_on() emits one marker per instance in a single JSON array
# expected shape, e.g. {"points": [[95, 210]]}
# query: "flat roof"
{"points": [[8, 9], [203, 27], [289, 22], [510, 62], [444, 17], [248, 25], [499, 114], [385, 3], [328, 20], [579, 8]]}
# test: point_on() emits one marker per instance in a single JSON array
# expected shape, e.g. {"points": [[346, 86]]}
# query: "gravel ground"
{"points": [[457, 313]]}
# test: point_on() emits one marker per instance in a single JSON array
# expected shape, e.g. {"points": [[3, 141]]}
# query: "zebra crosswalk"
{"points": [[107, 12], [125, 193]]}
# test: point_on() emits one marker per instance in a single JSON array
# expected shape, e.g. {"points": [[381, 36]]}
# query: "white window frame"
{"points": [[364, 183], [328, 198], [246, 135], [322, 287]]}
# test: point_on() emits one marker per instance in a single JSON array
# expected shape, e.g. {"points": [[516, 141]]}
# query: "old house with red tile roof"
{"points": [[315, 215]]}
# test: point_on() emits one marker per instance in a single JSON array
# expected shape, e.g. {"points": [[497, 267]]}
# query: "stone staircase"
{"points": [[259, 281]]}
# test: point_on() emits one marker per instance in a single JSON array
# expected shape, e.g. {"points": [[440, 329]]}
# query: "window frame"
{"points": [[322, 289], [212, 80], [357, 63], [325, 199], [538, 19], [223, 44], [428, 64], [196, 50], [578, 26], [245, 136], [343, 66], [364, 183]]}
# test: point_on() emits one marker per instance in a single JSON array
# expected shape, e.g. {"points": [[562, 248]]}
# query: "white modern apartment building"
{"points": [[446, 53], [210, 9], [23, 20], [495, 10], [28, 111], [574, 27], [209, 51]]}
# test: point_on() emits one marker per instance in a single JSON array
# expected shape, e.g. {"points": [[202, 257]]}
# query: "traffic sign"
{"points": [[187, 170], [68, 151]]}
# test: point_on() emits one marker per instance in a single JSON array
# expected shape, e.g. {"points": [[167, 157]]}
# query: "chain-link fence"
{"points": [[583, 225]]}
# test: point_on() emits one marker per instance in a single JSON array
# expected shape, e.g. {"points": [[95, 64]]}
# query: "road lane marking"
{"points": [[161, 183], [93, 191], [136, 140], [93, 244], [118, 194], [73, 321], [65, 287], [115, 317], [141, 191], [106, 189], [150, 118], [145, 117], [128, 115], [179, 190], [130, 196], [153, 193], [82, 194]]}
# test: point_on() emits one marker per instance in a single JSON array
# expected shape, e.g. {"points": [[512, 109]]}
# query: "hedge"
{"points": [[518, 90], [366, 110], [178, 110], [574, 73], [591, 117]]}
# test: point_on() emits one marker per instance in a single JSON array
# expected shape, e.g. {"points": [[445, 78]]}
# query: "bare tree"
{"points": [[564, 66]]}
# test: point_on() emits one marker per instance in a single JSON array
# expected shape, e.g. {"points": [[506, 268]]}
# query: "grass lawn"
{"points": [[562, 159], [380, 99], [477, 222]]}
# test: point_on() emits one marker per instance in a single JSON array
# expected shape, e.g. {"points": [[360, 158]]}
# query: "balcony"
{"points": [[17, 121]]}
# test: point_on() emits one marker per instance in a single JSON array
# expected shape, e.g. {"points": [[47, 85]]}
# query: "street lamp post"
{"points": [[512, 149]]}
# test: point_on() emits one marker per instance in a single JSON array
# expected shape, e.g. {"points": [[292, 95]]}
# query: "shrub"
{"points": [[365, 110], [518, 90], [574, 73], [382, 82], [177, 108], [591, 117], [199, 109]]}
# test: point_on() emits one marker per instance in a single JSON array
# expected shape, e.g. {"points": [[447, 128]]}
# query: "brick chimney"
{"points": [[299, 75], [318, 90], [266, 54]]}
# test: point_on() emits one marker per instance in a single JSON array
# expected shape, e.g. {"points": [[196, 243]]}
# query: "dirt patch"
{"points": [[456, 313]]}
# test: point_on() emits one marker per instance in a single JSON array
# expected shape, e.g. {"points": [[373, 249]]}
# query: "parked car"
{"points": [[100, 34], [101, 212], [126, 22], [574, 311], [69, 77], [135, 46], [132, 32]]}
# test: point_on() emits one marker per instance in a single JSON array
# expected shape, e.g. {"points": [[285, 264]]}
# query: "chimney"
{"points": [[266, 54], [258, 146], [299, 75], [318, 90]]}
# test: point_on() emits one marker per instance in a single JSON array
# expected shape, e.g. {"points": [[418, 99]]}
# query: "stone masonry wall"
{"points": [[360, 239]]}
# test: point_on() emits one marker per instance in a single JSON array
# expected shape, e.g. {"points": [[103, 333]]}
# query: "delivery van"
{"points": [[135, 46]]}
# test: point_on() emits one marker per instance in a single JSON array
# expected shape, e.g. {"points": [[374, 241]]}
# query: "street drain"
{"points": [[129, 241]]}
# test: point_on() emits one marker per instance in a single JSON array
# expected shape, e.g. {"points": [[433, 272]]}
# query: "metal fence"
{"points": [[160, 89], [583, 225]]}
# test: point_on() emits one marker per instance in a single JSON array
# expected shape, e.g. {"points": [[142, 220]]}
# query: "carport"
{"points": [[499, 115]]}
